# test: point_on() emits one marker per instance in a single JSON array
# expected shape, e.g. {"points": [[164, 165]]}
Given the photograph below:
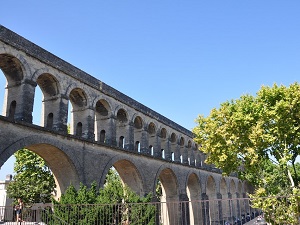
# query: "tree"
{"points": [[33, 181], [111, 204], [256, 136]]}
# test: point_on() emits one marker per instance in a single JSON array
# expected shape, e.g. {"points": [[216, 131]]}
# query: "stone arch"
{"points": [[122, 132], [152, 138], [50, 88], [15, 70], [138, 125], [169, 209], [224, 194], [175, 153], [233, 201], [164, 143], [193, 189], [19, 58], [57, 157], [212, 205], [183, 151], [12, 69], [129, 173], [79, 101], [102, 121]]}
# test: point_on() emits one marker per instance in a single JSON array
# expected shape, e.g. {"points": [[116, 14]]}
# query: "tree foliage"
{"points": [[256, 136], [111, 204], [33, 181]]}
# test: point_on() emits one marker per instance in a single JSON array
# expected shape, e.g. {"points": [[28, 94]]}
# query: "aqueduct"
{"points": [[108, 129]]}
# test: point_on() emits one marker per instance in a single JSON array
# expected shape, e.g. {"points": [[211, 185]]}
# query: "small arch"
{"points": [[163, 133], [122, 116], [102, 107], [121, 142], [137, 146], [12, 109], [102, 136], [138, 122], [173, 138], [48, 84], [49, 121], [189, 144], [79, 129], [163, 154], [181, 142], [78, 98], [151, 150], [151, 128], [12, 68]]}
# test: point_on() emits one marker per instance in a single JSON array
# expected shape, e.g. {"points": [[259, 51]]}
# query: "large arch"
{"points": [[170, 210], [60, 163], [128, 172], [225, 202], [233, 201], [212, 208], [193, 189]]}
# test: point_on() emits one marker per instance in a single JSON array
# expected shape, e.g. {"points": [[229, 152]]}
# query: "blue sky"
{"points": [[180, 58]]}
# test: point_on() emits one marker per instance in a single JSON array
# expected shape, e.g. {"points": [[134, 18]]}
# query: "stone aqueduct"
{"points": [[108, 129]]}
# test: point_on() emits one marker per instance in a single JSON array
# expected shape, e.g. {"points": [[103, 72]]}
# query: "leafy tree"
{"points": [[111, 204], [33, 181], [256, 136]]}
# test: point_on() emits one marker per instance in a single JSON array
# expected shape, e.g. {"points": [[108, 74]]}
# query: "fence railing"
{"points": [[207, 212]]}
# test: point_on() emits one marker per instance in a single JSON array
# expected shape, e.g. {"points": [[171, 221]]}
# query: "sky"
{"points": [[180, 58]]}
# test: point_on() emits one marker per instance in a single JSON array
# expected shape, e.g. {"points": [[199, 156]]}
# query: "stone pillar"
{"points": [[192, 157], [205, 209], [23, 96], [60, 122], [184, 209], [231, 206], [184, 153], [145, 142], [238, 206], [176, 149], [219, 208], [89, 132], [129, 138], [168, 155], [111, 138], [157, 147]]}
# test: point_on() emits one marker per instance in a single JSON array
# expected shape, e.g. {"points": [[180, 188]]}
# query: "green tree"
{"points": [[256, 136], [111, 204], [33, 181]]}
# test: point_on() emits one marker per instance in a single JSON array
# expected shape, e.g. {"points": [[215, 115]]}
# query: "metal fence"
{"points": [[207, 212]]}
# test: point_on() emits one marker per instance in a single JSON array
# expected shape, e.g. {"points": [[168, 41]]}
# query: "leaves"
{"points": [[258, 137], [243, 133], [33, 181]]}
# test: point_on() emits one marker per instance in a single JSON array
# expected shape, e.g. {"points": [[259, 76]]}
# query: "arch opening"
{"points": [[129, 176], [193, 190], [58, 162], [170, 210], [102, 120]]}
